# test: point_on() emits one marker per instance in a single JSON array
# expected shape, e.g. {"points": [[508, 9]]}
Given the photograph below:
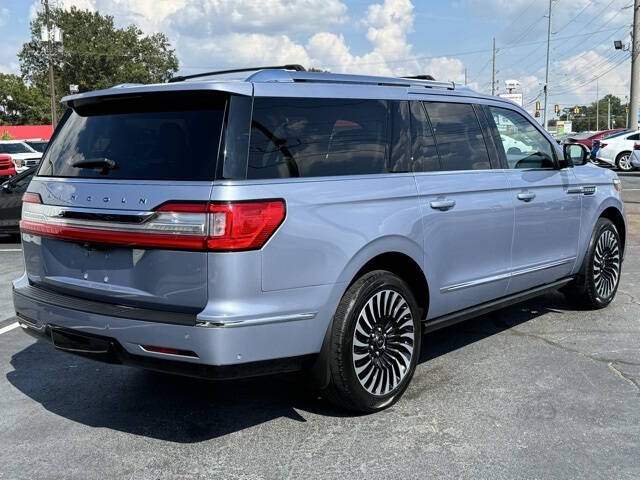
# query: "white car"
{"points": [[22, 155], [616, 151]]}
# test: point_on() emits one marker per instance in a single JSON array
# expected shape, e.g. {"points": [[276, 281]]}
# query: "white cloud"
{"points": [[576, 76], [224, 33]]}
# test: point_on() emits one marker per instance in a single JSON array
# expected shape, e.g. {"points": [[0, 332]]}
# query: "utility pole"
{"points": [[493, 70], [609, 114], [635, 68], [597, 107], [52, 88], [546, 78], [465, 76]]}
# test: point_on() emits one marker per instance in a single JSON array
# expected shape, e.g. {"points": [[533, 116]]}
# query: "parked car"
{"points": [[616, 151], [11, 201], [291, 220], [38, 145], [7, 168], [22, 155], [588, 138], [596, 143]]}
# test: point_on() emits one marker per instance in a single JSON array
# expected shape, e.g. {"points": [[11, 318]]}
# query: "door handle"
{"points": [[442, 205], [526, 196]]}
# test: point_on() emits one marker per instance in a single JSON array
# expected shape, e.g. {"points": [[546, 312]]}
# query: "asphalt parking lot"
{"points": [[537, 390]]}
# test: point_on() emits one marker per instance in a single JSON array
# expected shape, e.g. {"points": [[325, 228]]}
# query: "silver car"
{"points": [[244, 223]]}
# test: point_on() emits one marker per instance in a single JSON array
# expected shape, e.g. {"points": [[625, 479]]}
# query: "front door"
{"points": [[547, 205]]}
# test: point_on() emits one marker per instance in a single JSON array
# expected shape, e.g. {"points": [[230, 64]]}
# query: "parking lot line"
{"points": [[8, 328], [10, 249]]}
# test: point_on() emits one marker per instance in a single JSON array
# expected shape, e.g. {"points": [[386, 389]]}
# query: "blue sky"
{"points": [[382, 36]]}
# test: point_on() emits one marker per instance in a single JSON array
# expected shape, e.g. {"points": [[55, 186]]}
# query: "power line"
{"points": [[626, 57]]}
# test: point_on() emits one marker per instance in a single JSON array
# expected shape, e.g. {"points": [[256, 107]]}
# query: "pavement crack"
{"points": [[634, 383], [591, 356], [631, 297]]}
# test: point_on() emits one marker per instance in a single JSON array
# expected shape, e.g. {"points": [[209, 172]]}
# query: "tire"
{"points": [[623, 162], [597, 282], [373, 349]]}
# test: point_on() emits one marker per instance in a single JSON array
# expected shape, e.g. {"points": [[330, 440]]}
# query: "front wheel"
{"points": [[597, 282], [623, 162], [375, 343]]}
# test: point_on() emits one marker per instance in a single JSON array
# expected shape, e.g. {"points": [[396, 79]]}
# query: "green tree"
{"points": [[22, 104], [95, 54], [586, 118]]}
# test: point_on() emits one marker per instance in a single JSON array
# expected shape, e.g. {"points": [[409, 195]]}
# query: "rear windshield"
{"points": [[14, 148], [150, 137]]}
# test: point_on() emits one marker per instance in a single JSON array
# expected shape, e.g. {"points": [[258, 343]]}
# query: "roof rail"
{"points": [[341, 78], [182, 78]]}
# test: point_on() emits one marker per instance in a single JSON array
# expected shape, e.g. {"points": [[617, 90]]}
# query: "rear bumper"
{"points": [[247, 347], [109, 350]]}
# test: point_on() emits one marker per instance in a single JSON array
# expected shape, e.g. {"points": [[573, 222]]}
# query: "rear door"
{"points": [[547, 202], [123, 189], [466, 209]]}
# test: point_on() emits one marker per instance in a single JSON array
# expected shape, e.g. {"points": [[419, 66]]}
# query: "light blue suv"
{"points": [[243, 222]]}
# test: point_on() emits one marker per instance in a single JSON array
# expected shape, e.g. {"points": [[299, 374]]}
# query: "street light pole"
{"points": [[635, 68], [52, 88], [546, 79]]}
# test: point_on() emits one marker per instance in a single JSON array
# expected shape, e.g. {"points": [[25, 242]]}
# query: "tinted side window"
{"points": [[399, 154], [524, 145], [458, 136], [423, 145], [310, 137], [634, 137]]}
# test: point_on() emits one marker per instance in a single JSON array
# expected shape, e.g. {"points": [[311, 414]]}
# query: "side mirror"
{"points": [[6, 186], [576, 154]]}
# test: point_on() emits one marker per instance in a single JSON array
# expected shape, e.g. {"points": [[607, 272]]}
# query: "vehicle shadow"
{"points": [[187, 410]]}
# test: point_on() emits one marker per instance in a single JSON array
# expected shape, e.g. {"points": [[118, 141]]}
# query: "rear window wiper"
{"points": [[103, 163]]}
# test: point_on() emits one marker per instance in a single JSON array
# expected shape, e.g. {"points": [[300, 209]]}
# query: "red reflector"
{"points": [[31, 198], [244, 225], [636, 146], [168, 350]]}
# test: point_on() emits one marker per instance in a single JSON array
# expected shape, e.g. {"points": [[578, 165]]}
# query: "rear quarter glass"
{"points": [[144, 137]]}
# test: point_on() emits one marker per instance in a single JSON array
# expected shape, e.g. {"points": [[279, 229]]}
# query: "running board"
{"points": [[476, 311]]}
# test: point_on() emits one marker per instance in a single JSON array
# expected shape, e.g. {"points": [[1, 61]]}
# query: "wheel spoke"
{"points": [[606, 264], [383, 342]]}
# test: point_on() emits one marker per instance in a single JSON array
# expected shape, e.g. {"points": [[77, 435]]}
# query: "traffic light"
{"points": [[537, 113], [556, 108], [537, 105], [576, 110]]}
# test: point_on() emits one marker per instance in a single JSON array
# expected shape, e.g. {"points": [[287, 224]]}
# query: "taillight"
{"points": [[31, 198], [199, 226], [636, 146], [602, 145], [243, 225]]}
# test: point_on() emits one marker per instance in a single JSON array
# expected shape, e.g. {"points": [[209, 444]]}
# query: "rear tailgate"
{"points": [[118, 211]]}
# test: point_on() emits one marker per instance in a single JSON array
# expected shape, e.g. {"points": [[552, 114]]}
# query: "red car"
{"points": [[587, 139], [7, 168]]}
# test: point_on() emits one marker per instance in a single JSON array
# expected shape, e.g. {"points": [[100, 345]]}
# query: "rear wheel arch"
{"points": [[404, 267]]}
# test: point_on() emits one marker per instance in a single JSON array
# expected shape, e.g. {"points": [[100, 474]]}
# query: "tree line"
{"points": [[93, 54], [588, 115]]}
